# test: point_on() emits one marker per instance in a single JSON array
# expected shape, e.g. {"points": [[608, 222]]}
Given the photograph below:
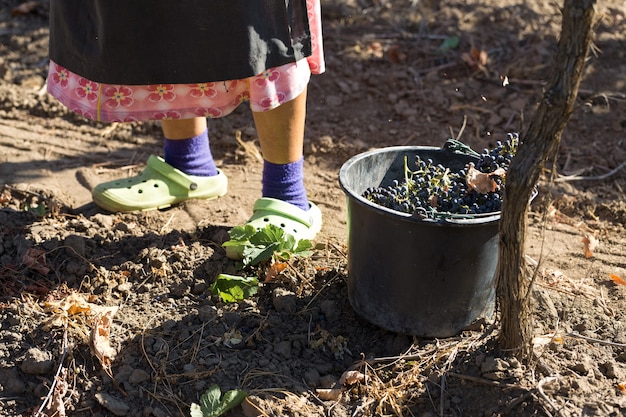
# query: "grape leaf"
{"points": [[451, 42], [256, 246], [233, 288], [213, 404]]}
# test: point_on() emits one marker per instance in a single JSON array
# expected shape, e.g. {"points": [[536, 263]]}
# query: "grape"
{"points": [[438, 190]]}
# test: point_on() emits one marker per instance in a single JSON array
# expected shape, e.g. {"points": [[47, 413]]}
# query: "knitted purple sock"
{"points": [[285, 182], [192, 156]]}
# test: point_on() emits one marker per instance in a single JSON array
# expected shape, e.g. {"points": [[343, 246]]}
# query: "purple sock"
{"points": [[192, 156], [285, 182]]}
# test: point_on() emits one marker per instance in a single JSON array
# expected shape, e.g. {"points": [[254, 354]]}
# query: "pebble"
{"points": [[37, 362], [158, 412], [283, 348], [114, 405], [492, 364], [123, 373], [231, 318], [284, 300], [138, 376], [207, 313], [11, 383], [77, 245], [312, 377], [329, 308], [584, 366]]}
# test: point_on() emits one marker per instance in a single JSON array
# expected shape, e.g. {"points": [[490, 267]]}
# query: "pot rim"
{"points": [[439, 219]]}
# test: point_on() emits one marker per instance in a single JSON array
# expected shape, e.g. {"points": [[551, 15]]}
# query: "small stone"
{"points": [[114, 405], [327, 381], [37, 362], [492, 364], [583, 367], [76, 245], [312, 377], [329, 308], [158, 412], [612, 371], [11, 383], [284, 300], [207, 313], [138, 376], [103, 220], [123, 373], [283, 348]]}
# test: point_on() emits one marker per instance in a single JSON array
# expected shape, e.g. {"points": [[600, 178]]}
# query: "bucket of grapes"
{"points": [[423, 234]]}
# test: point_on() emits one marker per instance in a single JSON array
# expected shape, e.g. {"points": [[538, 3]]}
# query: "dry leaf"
{"points": [[590, 243], [622, 387], [539, 341], [617, 279], [395, 54], [480, 181], [36, 259], [72, 304], [25, 8], [75, 304], [329, 394], [5, 196], [100, 320], [351, 378], [251, 408], [100, 335], [56, 406], [274, 270], [433, 200], [475, 58], [375, 49]]}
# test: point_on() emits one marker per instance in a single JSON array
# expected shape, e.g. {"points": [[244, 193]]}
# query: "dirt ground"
{"points": [[392, 79]]}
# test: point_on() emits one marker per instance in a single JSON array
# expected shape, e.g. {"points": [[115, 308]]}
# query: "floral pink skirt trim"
{"points": [[127, 103]]}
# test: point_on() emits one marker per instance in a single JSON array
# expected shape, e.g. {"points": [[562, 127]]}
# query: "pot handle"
{"points": [[458, 147]]}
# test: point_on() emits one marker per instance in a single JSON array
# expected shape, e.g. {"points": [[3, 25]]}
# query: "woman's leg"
{"points": [[183, 128], [281, 133]]}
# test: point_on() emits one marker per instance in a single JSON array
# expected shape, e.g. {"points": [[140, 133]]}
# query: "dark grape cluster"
{"points": [[500, 156], [433, 190]]}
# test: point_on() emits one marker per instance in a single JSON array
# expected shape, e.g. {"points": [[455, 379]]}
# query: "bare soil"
{"points": [[389, 82]]}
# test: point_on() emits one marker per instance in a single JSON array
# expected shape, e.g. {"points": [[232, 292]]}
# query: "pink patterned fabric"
{"points": [[126, 103]]}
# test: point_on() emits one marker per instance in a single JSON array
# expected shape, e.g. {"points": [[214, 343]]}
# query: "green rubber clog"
{"points": [[159, 185]]}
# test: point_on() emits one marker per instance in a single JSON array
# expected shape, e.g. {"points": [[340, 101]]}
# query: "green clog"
{"points": [[158, 186]]}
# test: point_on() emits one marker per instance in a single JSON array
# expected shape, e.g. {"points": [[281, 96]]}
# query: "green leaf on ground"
{"points": [[233, 288], [449, 43], [213, 404], [257, 246]]}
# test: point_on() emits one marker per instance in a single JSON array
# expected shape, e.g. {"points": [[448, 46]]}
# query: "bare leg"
{"points": [[281, 131], [183, 128]]}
